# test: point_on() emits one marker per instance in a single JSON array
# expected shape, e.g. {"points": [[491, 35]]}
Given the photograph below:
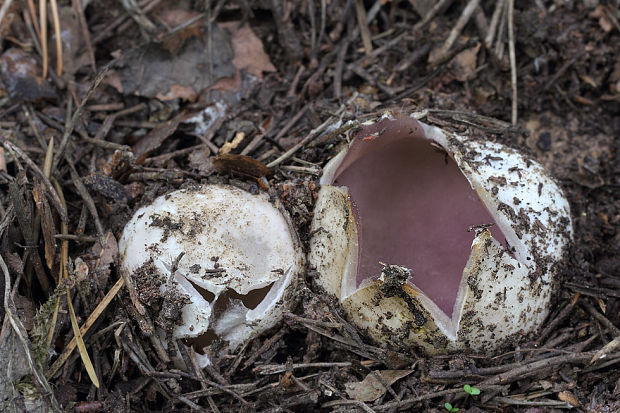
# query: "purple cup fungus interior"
{"points": [[412, 207]]}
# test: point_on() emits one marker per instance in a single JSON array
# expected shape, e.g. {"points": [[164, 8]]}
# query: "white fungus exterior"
{"points": [[236, 246], [501, 295]]}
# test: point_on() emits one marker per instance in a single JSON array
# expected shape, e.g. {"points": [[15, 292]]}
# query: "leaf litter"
{"points": [[298, 70]]}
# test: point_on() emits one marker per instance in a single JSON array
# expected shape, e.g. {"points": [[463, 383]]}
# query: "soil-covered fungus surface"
{"points": [[107, 105]]}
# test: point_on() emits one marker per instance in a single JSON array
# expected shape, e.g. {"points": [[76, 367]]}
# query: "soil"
{"points": [[127, 127]]}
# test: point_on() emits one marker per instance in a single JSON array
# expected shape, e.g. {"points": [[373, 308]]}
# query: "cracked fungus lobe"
{"points": [[240, 257], [413, 207], [405, 193]]}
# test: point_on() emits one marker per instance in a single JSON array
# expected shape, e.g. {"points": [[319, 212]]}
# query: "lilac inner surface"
{"points": [[412, 206]]}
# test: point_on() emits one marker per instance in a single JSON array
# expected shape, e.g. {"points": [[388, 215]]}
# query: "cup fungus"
{"points": [[438, 242], [213, 260]]}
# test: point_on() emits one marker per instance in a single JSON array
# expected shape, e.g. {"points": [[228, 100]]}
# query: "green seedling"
{"points": [[450, 408], [472, 391]]}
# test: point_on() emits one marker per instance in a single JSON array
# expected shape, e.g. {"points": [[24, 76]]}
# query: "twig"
{"points": [[266, 346], [26, 228], [56, 20], [363, 26], [122, 22], [79, 10], [513, 59], [561, 71], [295, 82], [313, 36], [191, 404], [468, 11], [607, 349], [488, 41], [302, 169], [499, 41], [513, 401], [615, 331], [77, 238], [475, 120], [48, 185], [313, 133], [4, 9], [88, 200], [85, 327], [407, 403], [268, 369], [531, 369], [209, 41], [429, 16], [147, 27], [565, 312], [362, 61], [291, 123], [20, 330], [481, 22], [43, 22], [78, 112], [357, 403], [342, 53], [106, 144], [110, 119]]}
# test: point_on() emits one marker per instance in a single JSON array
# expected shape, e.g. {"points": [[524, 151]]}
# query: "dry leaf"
{"points": [[464, 64], [371, 388], [108, 254], [201, 161], [21, 76], [153, 70], [48, 229], [249, 52], [156, 137], [249, 56], [568, 397], [603, 19], [174, 18]]}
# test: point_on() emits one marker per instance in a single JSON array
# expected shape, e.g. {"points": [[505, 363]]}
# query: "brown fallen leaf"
{"points": [[20, 73], [569, 398], [152, 70], [464, 64], [174, 18], [249, 56], [156, 137], [48, 228], [371, 388], [603, 19]]}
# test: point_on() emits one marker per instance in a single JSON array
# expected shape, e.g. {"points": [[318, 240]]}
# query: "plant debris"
{"points": [[140, 97]]}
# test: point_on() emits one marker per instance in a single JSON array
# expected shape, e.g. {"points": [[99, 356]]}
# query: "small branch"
{"points": [[20, 330], [78, 112], [429, 16], [313, 133], [488, 41], [513, 59], [468, 11], [361, 21]]}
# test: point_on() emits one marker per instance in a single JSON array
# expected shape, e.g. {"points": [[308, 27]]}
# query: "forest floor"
{"points": [[156, 95]]}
